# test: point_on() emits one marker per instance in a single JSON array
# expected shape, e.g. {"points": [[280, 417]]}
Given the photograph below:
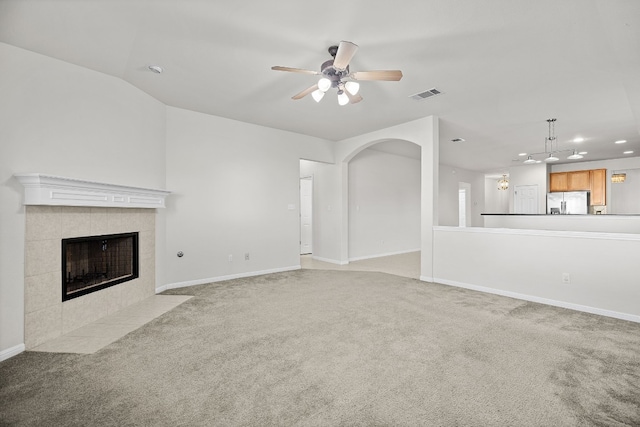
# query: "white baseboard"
{"points": [[562, 304], [332, 261], [383, 255], [222, 278], [12, 351], [426, 279]]}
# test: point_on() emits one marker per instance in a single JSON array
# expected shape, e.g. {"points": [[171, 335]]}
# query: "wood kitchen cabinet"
{"points": [[598, 179], [594, 180], [579, 181], [558, 181]]}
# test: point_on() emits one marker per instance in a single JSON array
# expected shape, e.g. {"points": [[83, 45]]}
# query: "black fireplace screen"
{"points": [[97, 262]]}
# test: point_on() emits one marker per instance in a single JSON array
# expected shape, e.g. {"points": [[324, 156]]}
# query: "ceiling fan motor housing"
{"points": [[333, 74]]}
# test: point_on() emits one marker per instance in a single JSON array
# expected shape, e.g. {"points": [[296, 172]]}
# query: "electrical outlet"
{"points": [[246, 256], [566, 278], [230, 258]]}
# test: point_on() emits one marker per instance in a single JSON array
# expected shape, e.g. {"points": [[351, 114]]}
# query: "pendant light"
{"points": [[551, 148], [503, 184], [575, 155]]}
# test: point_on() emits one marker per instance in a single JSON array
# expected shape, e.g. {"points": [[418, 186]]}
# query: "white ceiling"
{"points": [[504, 66]]}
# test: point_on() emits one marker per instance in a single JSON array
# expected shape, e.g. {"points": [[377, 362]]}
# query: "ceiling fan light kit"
{"points": [[335, 74], [317, 95]]}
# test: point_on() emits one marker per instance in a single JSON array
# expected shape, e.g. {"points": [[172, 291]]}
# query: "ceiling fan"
{"points": [[335, 74]]}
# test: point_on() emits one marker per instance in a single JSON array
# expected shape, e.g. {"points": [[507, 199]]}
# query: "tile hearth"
{"points": [[46, 315], [102, 332]]}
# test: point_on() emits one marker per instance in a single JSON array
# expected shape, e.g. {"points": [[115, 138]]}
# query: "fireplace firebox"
{"points": [[92, 263]]}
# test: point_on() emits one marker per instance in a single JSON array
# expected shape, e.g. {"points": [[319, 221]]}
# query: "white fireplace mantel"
{"points": [[41, 189]]}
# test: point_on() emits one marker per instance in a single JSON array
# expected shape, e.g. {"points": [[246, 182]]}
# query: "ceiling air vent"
{"points": [[426, 94]]}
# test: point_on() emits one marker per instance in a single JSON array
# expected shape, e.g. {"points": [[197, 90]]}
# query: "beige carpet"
{"points": [[324, 348]]}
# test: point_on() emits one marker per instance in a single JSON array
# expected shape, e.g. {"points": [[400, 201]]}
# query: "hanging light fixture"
{"points": [[551, 149], [575, 155], [549, 142], [503, 183]]}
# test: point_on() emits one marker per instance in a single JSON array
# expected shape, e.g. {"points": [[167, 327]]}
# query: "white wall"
{"points": [[65, 120], [495, 201], [530, 264], [232, 185], [326, 212], [384, 204], [450, 178]]}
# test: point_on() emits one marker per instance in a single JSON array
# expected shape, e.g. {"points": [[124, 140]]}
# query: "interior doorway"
{"points": [[306, 215], [525, 199], [464, 207]]}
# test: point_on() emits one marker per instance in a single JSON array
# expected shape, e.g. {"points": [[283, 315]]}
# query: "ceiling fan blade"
{"points": [[293, 70], [386, 75], [354, 99], [346, 50], [305, 92]]}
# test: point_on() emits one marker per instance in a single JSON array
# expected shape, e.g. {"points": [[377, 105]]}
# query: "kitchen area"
{"points": [[573, 243], [599, 196]]}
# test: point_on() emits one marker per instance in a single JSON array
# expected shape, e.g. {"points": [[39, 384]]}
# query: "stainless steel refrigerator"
{"points": [[568, 203]]}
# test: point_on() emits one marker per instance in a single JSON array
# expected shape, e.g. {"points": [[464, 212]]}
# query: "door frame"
{"points": [[310, 179]]}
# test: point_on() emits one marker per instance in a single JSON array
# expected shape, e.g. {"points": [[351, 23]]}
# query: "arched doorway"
{"points": [[384, 200]]}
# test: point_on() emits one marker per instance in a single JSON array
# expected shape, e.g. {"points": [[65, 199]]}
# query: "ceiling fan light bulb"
{"points": [[343, 99], [324, 84], [352, 87], [317, 95]]}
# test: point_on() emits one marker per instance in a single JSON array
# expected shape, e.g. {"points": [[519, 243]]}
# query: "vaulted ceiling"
{"points": [[503, 66]]}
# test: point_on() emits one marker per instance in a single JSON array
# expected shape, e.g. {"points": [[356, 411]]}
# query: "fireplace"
{"points": [[58, 208], [92, 263]]}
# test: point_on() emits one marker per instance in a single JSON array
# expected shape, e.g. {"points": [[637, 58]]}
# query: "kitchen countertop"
{"points": [[560, 215]]}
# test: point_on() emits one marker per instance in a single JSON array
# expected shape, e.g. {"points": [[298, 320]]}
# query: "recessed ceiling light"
{"points": [[582, 152], [578, 139], [156, 69], [522, 154], [628, 152], [621, 141]]}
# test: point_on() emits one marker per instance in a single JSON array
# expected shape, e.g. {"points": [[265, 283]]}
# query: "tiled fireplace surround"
{"points": [[46, 316]]}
